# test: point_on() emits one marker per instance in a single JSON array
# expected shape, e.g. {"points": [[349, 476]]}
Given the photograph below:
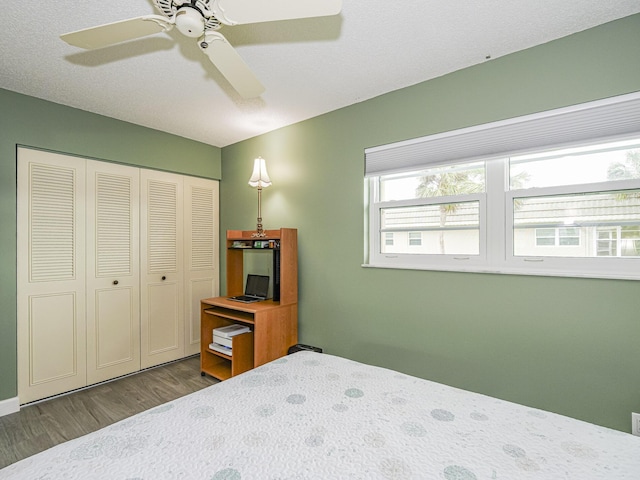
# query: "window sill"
{"points": [[510, 271]]}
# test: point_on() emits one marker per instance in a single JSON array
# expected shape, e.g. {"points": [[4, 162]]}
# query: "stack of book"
{"points": [[223, 338]]}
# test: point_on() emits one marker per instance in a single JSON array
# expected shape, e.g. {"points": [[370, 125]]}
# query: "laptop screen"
{"points": [[257, 285]]}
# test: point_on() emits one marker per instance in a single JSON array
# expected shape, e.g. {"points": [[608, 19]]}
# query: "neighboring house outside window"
{"points": [[562, 211]]}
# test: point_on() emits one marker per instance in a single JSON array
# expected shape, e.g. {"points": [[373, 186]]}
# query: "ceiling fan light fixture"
{"points": [[190, 22]]}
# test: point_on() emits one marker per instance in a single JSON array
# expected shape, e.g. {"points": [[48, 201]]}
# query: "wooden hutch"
{"points": [[273, 322]]}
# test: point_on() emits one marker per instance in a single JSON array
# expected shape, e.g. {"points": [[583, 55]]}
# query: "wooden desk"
{"points": [[274, 330]]}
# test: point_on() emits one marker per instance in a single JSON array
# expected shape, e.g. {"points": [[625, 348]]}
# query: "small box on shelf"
{"points": [[242, 244], [263, 244], [257, 244]]}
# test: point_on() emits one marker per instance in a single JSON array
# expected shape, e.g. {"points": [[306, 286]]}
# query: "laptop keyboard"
{"points": [[247, 298]]}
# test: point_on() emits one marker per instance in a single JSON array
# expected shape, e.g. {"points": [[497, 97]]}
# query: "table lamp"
{"points": [[259, 178]]}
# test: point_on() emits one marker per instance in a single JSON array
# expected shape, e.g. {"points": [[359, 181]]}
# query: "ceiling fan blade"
{"points": [[231, 65], [112, 33], [237, 12]]}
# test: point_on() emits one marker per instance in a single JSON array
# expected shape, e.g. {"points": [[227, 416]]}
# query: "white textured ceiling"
{"points": [[308, 67]]}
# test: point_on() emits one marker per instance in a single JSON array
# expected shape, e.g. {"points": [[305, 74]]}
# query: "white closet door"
{"points": [[201, 253], [161, 255], [51, 266], [113, 273]]}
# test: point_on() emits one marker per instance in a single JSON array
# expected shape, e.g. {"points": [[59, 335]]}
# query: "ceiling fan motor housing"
{"points": [[190, 22]]}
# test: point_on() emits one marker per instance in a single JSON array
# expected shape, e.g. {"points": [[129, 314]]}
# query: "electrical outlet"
{"points": [[635, 424]]}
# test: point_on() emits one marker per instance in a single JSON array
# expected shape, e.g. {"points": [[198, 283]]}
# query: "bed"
{"points": [[318, 416]]}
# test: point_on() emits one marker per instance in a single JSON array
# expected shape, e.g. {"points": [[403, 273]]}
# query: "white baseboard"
{"points": [[10, 405]]}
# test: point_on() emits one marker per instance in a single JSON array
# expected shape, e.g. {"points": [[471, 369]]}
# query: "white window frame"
{"points": [[496, 205], [422, 261], [599, 267]]}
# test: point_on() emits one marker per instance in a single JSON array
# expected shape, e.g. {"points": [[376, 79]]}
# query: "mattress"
{"points": [[317, 416]]}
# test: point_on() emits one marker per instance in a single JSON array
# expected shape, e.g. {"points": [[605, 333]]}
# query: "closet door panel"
{"points": [[162, 275], [113, 278], [51, 285], [163, 335], [201, 253], [53, 337], [116, 331]]}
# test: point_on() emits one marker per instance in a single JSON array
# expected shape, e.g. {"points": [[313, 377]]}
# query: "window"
{"points": [[437, 210], [568, 194], [388, 239], [569, 236], [415, 239], [607, 244], [557, 236], [545, 210]]}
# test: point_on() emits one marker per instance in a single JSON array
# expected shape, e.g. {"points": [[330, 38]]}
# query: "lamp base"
{"points": [[259, 231]]}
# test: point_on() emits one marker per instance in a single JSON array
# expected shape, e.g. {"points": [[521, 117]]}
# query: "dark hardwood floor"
{"points": [[42, 425]]}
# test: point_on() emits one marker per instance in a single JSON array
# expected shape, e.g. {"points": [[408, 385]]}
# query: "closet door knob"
{"points": [[164, 278], [115, 282]]}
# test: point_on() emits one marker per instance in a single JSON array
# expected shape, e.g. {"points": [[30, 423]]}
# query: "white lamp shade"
{"points": [[259, 177]]}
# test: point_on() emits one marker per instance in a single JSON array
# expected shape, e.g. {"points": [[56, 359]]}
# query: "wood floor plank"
{"points": [[42, 425]]}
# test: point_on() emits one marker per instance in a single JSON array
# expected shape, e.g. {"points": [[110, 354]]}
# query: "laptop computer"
{"points": [[257, 289]]}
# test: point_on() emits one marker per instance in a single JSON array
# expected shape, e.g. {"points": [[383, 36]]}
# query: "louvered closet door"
{"points": [[51, 283], [161, 255], [201, 253], [113, 278]]}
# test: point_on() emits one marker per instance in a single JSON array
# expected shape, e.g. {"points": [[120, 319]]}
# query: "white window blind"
{"points": [[587, 122]]}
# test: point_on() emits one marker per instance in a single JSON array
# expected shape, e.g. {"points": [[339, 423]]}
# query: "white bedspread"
{"points": [[316, 416]]}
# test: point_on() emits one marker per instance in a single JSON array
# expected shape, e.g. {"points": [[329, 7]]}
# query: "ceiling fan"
{"points": [[201, 19]]}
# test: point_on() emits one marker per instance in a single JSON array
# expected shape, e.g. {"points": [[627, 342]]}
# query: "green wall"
{"points": [[566, 345], [32, 122]]}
